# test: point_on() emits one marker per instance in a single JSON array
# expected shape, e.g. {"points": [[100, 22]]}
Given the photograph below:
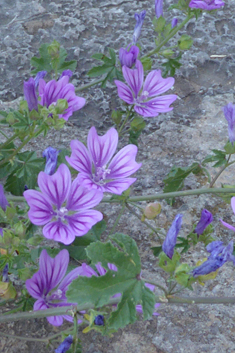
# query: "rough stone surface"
{"points": [[204, 84]]}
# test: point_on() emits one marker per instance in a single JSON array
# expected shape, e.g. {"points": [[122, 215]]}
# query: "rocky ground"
{"points": [[204, 84]]}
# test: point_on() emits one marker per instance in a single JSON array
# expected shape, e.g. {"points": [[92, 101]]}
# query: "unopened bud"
{"points": [[152, 210]]}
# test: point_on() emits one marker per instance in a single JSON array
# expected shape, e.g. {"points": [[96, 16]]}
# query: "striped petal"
{"points": [[80, 158]]}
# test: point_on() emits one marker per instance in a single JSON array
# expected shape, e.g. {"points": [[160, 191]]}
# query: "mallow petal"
{"points": [[80, 158], [41, 210], [154, 83], [134, 77], [124, 92], [118, 186], [227, 225], [57, 186], [124, 164], [102, 148], [59, 231], [80, 223], [155, 106]]}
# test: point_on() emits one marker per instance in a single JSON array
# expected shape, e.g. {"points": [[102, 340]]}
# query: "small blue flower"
{"points": [[205, 220], [3, 200], [99, 320], [158, 8], [40, 74], [171, 237], [65, 345], [229, 113], [5, 277], [30, 94], [210, 265], [139, 22], [174, 22], [51, 155]]}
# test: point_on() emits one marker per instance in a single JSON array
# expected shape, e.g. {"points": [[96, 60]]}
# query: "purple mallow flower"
{"points": [[65, 345], [229, 113], [227, 225], [50, 92], [171, 237], [206, 4], [129, 55], [51, 155], [66, 73], [89, 272], [3, 200], [205, 220], [97, 170], [219, 254], [63, 206], [143, 94], [50, 284], [139, 22], [158, 8], [53, 90], [174, 22]]}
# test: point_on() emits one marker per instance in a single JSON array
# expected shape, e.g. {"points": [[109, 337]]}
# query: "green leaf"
{"points": [[167, 264], [78, 249], [171, 65], [112, 56], [44, 62], [159, 24], [229, 148], [175, 178], [67, 65], [99, 70], [147, 63], [218, 156], [185, 42], [156, 250], [98, 290], [227, 197]]}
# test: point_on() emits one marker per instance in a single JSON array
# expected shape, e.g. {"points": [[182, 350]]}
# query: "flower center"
{"points": [[101, 174], [142, 98], [61, 213]]}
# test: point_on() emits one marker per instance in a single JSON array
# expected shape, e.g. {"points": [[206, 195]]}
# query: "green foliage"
{"points": [[98, 290], [171, 65], [175, 178], [77, 250], [117, 116], [147, 63], [137, 126], [229, 148], [159, 24], [218, 156], [108, 67], [227, 196], [167, 264], [192, 239], [24, 172], [185, 42], [156, 250], [52, 58]]}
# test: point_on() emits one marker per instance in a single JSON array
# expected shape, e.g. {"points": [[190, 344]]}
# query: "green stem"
{"points": [[8, 141], [155, 284], [172, 33], [125, 120], [75, 330], [220, 172], [168, 195], [88, 85], [118, 218], [146, 223], [3, 134], [21, 146], [153, 197], [32, 339], [18, 308], [70, 309]]}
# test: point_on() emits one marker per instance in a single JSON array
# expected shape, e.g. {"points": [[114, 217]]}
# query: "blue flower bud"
{"points": [[40, 74], [211, 265], [158, 8], [51, 155], [174, 22], [171, 237], [229, 113], [65, 345], [30, 94], [66, 73], [3, 200], [99, 320], [205, 220], [5, 277], [128, 56], [139, 22]]}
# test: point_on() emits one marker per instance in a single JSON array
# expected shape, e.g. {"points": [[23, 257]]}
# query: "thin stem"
{"points": [[32, 339], [125, 120], [146, 223], [172, 33], [220, 172], [75, 323], [168, 195], [118, 218], [155, 284], [69, 309], [88, 85], [18, 308], [3, 134]]}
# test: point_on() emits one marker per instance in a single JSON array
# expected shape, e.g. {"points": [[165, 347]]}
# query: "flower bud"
{"points": [[3, 200], [30, 94], [158, 8], [205, 220], [171, 237], [99, 320], [51, 155], [139, 22], [185, 42], [152, 210], [128, 56], [229, 114], [65, 345]]}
